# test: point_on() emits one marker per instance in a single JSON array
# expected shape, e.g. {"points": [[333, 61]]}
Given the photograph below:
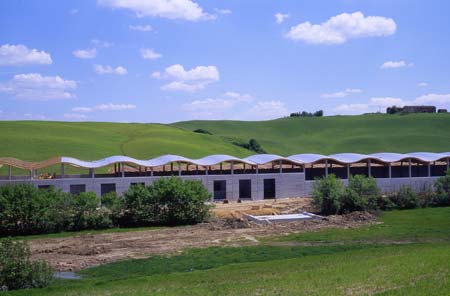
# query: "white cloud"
{"points": [[101, 43], [34, 86], [104, 107], [341, 94], [422, 84], [74, 116], [238, 96], [433, 99], [99, 69], [267, 110], [395, 64], [20, 55], [217, 108], [171, 9], [352, 109], [188, 80], [150, 54], [280, 17], [141, 28], [85, 53], [387, 102], [223, 11], [340, 28]]}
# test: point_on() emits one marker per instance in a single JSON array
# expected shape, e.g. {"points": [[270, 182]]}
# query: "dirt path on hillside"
{"points": [[78, 252]]}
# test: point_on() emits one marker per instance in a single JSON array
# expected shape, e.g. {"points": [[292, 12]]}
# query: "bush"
{"points": [[168, 201], [87, 214], [327, 193], [361, 194], [114, 204], [16, 269], [26, 210], [442, 192], [202, 131], [405, 198]]}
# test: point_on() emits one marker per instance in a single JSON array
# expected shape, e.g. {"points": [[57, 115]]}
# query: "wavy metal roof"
{"points": [[258, 159]]}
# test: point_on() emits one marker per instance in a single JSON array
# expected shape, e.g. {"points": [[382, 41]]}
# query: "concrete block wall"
{"points": [[286, 185]]}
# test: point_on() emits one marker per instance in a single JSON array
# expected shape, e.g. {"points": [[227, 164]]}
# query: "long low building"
{"points": [[256, 177]]}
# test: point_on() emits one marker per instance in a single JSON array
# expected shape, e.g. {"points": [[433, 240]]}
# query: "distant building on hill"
{"points": [[419, 109], [411, 109], [442, 111]]}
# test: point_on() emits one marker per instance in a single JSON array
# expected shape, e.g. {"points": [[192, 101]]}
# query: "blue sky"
{"points": [[171, 60]]}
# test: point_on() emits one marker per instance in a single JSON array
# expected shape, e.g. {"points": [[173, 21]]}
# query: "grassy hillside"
{"points": [[38, 140], [334, 134]]}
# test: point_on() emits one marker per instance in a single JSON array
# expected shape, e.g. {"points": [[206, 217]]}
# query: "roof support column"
{"points": [[151, 171], [9, 172], [369, 168], [326, 168], [91, 173], [122, 167], [429, 170], [207, 168], [31, 174], [232, 167], [281, 166], [348, 171], [179, 169], [390, 170], [409, 167], [257, 169], [62, 170]]}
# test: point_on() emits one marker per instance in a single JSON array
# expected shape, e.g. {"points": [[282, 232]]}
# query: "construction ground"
{"points": [[227, 228]]}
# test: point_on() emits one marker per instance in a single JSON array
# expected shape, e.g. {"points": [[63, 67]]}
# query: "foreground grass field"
{"points": [[409, 254], [334, 134]]}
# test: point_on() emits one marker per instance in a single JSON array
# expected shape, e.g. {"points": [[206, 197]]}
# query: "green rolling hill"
{"points": [[39, 140], [335, 134]]}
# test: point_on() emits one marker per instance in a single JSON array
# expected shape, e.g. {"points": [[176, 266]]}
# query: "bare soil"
{"points": [[78, 252]]}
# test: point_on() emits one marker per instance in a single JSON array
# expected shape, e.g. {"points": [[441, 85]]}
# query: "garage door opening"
{"points": [[220, 190]]}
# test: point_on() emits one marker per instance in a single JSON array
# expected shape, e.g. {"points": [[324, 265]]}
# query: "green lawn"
{"points": [[335, 134], [409, 254]]}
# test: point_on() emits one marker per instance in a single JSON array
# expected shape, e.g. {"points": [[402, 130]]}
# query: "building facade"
{"points": [[263, 176]]}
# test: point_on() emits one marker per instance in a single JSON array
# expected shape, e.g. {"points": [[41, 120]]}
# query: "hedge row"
{"points": [[26, 210], [331, 196]]}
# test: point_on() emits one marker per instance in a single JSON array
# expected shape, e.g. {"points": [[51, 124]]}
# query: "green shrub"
{"points": [[327, 194], [405, 198], [26, 210], [114, 204], [87, 214], [168, 201], [16, 269], [442, 192], [361, 194]]}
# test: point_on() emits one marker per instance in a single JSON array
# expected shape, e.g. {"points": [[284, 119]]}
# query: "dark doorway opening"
{"points": [[76, 189], [107, 188], [245, 189], [220, 190], [269, 188]]}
